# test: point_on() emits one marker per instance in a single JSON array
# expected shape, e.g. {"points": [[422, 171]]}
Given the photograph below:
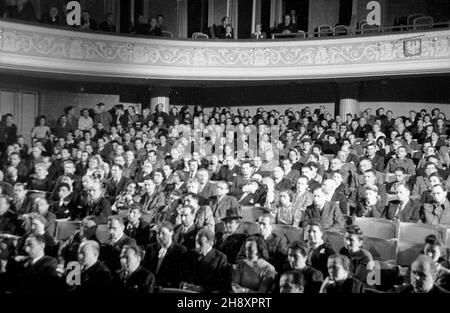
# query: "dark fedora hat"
{"points": [[231, 214]]}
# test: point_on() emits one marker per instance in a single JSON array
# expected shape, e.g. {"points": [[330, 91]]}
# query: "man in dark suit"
{"points": [[251, 195], [185, 233], [137, 228], [404, 209], [133, 278], [423, 274], [97, 205], [241, 180], [152, 201], [22, 202], [318, 250], [329, 214], [165, 258], [377, 161], [110, 252], [39, 272], [287, 26], [231, 240], [229, 171], [281, 183], [8, 219], [206, 269], [117, 183], [95, 276], [206, 188], [222, 202]]}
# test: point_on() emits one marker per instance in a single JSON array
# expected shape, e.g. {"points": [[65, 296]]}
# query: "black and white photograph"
{"points": [[224, 151]]}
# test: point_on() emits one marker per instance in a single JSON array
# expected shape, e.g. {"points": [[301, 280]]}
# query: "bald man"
{"points": [[423, 275], [95, 276]]}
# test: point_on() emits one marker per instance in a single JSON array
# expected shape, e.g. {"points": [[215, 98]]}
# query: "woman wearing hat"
{"points": [[254, 274]]}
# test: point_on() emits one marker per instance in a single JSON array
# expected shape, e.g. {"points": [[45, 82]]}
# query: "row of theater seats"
{"points": [[388, 241], [413, 22]]}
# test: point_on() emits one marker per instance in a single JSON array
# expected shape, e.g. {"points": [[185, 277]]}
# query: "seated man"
{"points": [[165, 258], [231, 240], [423, 276], [400, 178], [437, 212], [95, 275], [361, 261], [221, 203], [43, 210], [401, 160], [203, 214], [66, 206], [152, 200], [110, 252], [185, 233], [297, 258], [319, 251], [39, 273], [206, 269], [98, 206], [371, 205], [370, 179], [133, 278], [22, 202], [8, 219], [281, 183], [404, 209], [329, 214], [137, 228]]}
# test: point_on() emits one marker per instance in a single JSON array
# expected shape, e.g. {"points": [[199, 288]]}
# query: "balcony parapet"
{"points": [[27, 47]]}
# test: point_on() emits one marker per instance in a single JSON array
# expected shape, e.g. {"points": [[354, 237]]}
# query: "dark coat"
{"points": [[110, 252], [410, 213], [319, 258], [212, 272], [169, 274], [141, 281], [96, 279], [101, 209], [350, 285], [113, 189], [8, 223], [40, 277], [330, 217], [141, 234], [219, 209], [186, 239], [231, 245]]}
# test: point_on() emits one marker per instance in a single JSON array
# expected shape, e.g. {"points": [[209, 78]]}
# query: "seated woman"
{"points": [[361, 260], [254, 274], [126, 198], [285, 213], [340, 279]]}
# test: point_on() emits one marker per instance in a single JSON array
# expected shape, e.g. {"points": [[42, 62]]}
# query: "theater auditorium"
{"points": [[224, 146]]}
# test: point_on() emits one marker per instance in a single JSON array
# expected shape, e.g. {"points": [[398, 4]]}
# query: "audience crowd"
{"points": [[155, 209]]}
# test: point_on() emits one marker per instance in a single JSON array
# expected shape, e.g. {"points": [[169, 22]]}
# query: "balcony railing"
{"points": [[26, 47]]}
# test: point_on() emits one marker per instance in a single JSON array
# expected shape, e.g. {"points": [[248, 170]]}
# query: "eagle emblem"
{"points": [[413, 47]]}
